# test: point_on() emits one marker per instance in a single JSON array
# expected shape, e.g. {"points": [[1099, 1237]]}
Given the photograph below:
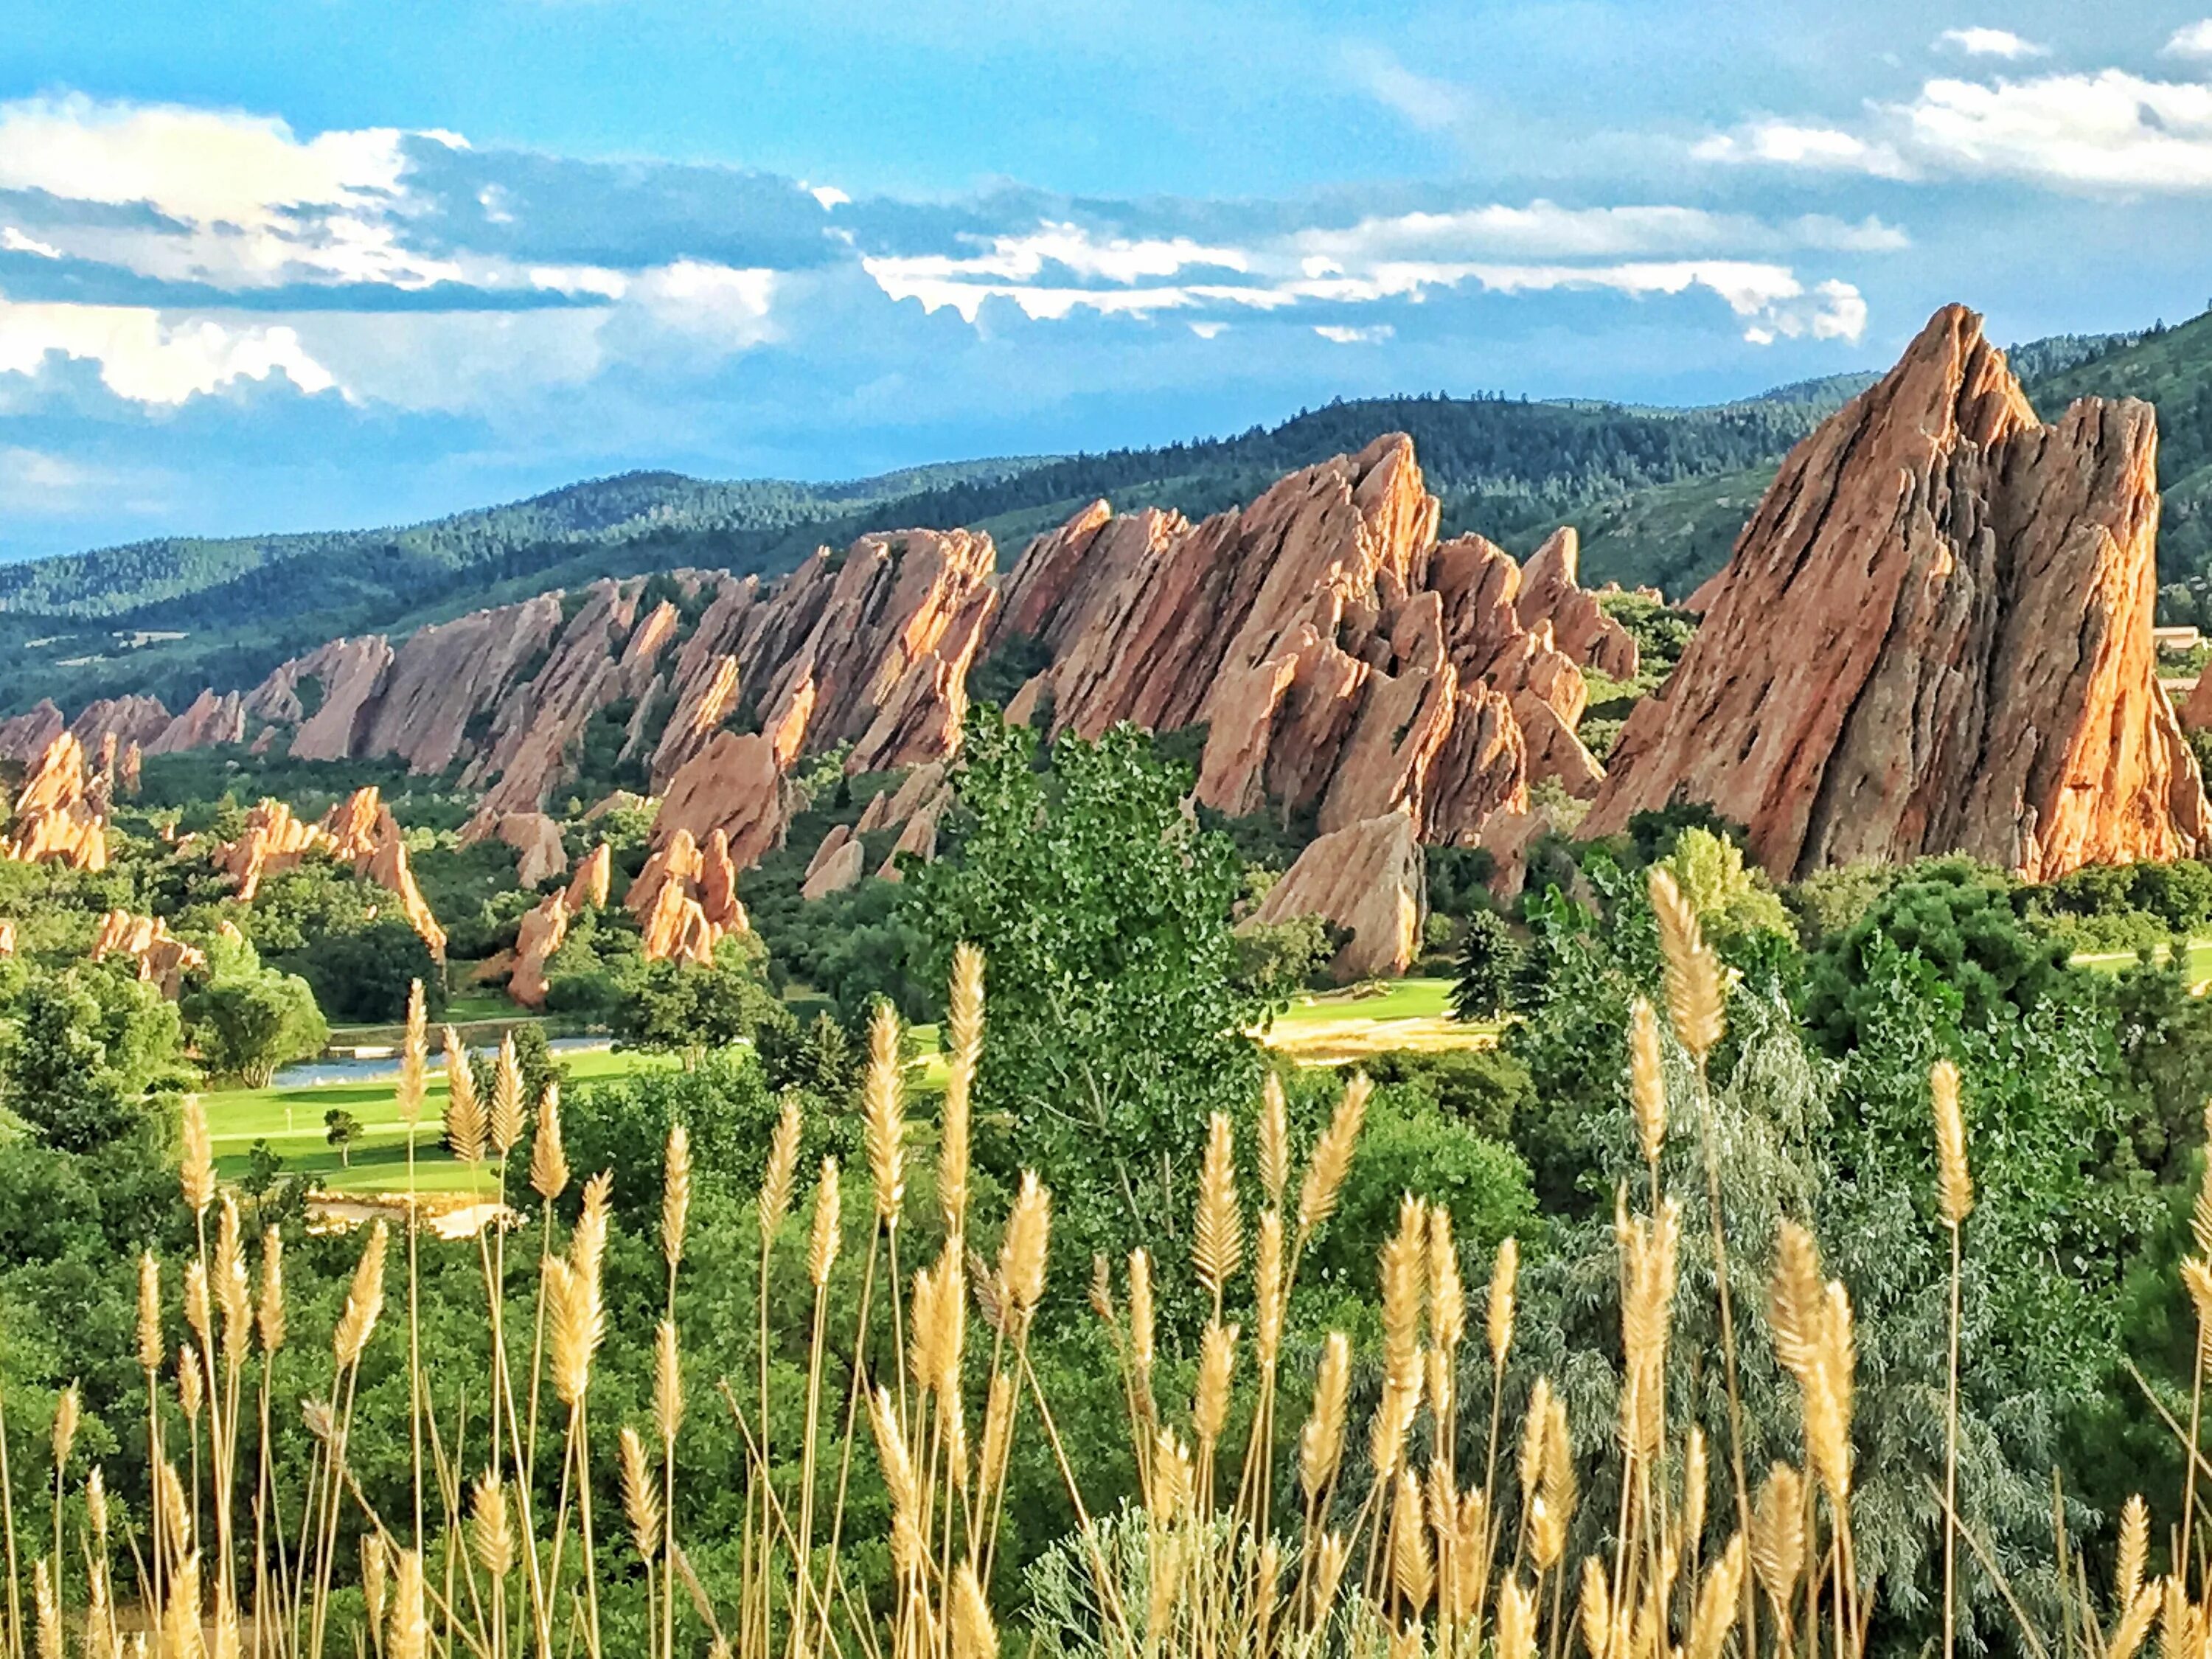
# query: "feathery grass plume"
{"points": [[234, 1295], [1535, 1438], [1717, 1599], [569, 1313], [1274, 1140], [1695, 1005], [1647, 1255], [1796, 1298], [192, 1386], [1813, 1339], [1173, 1481], [1468, 1576], [1647, 1080], [1694, 1460], [1594, 1610], [907, 1552], [974, 1636], [1412, 1567], [196, 1166], [964, 1025], [1954, 1179], [182, 1633], [822, 1241], [176, 1515], [2197, 1280], [1102, 1290], [1386, 1430], [1829, 1427], [1268, 1292], [376, 1567], [67, 1415], [2133, 1555], [2134, 1624], [1447, 1291], [1777, 1537], [49, 1611], [467, 1124], [1516, 1621], [270, 1316], [1141, 1336], [881, 1109], [929, 1319], [1558, 1482], [548, 1160], [95, 1503], [503, 1122], [364, 1301], [668, 1383], [782, 1169], [197, 1312], [1321, 1442], [152, 1344], [410, 1635], [414, 1059], [491, 1533], [675, 1195], [1404, 1257], [997, 1429], [1332, 1158], [1218, 1231], [587, 1245], [1329, 1557], [1022, 1252], [1504, 1269], [1216, 1362], [990, 1294], [641, 1496]]}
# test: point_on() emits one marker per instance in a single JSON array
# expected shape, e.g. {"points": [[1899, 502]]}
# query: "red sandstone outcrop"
{"points": [[1370, 878], [272, 839], [541, 934], [129, 771], [1934, 635], [588, 888], [210, 720], [685, 899], [359, 830], [127, 719], [1341, 659], [1580, 627], [837, 864], [163, 958], [60, 815], [24, 737], [539, 855]]}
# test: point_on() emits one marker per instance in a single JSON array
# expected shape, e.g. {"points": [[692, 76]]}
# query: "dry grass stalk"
{"points": [[1217, 1230], [549, 1158], [882, 1109]]}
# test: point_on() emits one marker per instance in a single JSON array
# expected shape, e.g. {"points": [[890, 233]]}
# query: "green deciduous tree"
{"points": [[251, 1020]]}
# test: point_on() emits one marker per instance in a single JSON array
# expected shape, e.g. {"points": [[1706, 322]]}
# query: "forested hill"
{"points": [[1659, 493]]}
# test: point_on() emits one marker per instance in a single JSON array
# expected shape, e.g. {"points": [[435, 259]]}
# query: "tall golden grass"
{"points": [[1388, 1535]]}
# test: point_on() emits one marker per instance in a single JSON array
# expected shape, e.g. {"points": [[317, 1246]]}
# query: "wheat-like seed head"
{"points": [[414, 1059], [1174, 1483], [1405, 1261], [1328, 1572], [2181, 1633], [1469, 1574], [1694, 1475], [491, 1533], [1141, 1316], [1717, 1600], [1102, 1290], [1695, 1004], [196, 1166], [197, 1312], [176, 1515], [1953, 1178], [375, 1565], [587, 1245], [1267, 1586], [1321, 1442], [907, 1552], [1796, 1299], [192, 1385], [781, 1170], [1547, 1534], [1647, 1080], [997, 1429], [974, 1636], [1558, 1477], [885, 1120], [963, 1026], [67, 1414], [1535, 1438], [2197, 1280], [1332, 1157], [410, 1636], [936, 1314], [1778, 1534], [1516, 1621], [549, 1159], [640, 1497], [1828, 1426], [1413, 1568], [466, 1125], [95, 1503], [822, 1236], [675, 1195], [2134, 1554], [101, 1640], [182, 1633], [1267, 1290], [152, 1344], [49, 1611], [1393, 1416], [270, 1315], [1447, 1290], [233, 1293], [1274, 1140], [503, 1119], [1504, 1269], [2134, 1624], [1022, 1253], [668, 1383], [364, 1301], [576, 1326], [1216, 1362], [1218, 1231]]}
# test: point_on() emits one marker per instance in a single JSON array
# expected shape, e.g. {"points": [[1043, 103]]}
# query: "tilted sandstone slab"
{"points": [[127, 719], [163, 959], [540, 853], [1934, 635], [60, 814], [543, 929], [348, 676], [1580, 628], [685, 899], [24, 737], [843, 868], [588, 888], [1369, 878], [210, 721]]}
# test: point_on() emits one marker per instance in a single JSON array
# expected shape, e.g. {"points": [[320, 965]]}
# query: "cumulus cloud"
{"points": [[1991, 43], [1796, 144], [150, 358], [2190, 40]]}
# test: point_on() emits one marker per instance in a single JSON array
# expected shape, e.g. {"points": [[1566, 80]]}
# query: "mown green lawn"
{"points": [[1405, 999], [291, 1120], [2197, 961]]}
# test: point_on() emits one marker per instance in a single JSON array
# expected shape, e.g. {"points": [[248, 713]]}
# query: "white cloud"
{"points": [[829, 195], [1343, 336], [150, 358], [16, 242], [1789, 144], [2111, 128], [1207, 331], [2190, 40], [1991, 43]]}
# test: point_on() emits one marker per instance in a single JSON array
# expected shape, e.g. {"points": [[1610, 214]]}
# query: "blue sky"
{"points": [[289, 266]]}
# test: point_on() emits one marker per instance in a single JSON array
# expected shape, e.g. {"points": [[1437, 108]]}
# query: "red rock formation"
{"points": [[349, 674], [735, 785], [7, 937], [539, 853], [163, 958], [841, 868], [1369, 878], [127, 719], [273, 840], [588, 888], [700, 711], [685, 899], [130, 771], [210, 720], [1934, 635], [1341, 659], [60, 814], [541, 934], [24, 738], [1580, 627]]}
